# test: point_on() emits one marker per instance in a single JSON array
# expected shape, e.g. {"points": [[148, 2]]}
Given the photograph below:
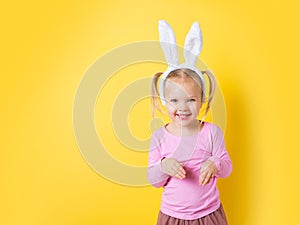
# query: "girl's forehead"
{"points": [[182, 86]]}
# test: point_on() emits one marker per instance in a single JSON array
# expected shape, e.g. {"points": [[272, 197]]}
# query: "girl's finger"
{"points": [[181, 174], [203, 178], [181, 169], [178, 176], [208, 178], [174, 171], [178, 167]]}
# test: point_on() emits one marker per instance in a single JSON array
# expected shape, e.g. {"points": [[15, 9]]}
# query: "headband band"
{"points": [[192, 49]]}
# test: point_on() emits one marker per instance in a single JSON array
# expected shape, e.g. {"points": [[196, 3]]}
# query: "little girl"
{"points": [[186, 155]]}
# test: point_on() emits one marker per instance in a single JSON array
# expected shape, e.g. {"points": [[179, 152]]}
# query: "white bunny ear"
{"points": [[193, 44], [168, 42]]}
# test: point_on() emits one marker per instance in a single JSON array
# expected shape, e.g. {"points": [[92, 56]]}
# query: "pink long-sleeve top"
{"points": [[187, 199]]}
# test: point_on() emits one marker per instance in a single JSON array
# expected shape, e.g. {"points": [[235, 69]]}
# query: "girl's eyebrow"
{"points": [[193, 96]]}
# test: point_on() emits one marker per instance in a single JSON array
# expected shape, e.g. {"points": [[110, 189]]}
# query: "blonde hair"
{"points": [[181, 73]]}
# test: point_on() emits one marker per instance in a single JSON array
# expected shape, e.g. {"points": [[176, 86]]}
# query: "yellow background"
{"points": [[47, 46]]}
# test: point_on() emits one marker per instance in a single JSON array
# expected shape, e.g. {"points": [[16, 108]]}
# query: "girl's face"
{"points": [[183, 101]]}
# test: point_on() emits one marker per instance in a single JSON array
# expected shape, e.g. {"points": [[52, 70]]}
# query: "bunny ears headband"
{"points": [[192, 49]]}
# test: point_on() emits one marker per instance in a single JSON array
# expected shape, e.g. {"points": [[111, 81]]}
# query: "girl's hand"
{"points": [[173, 168], [207, 172]]}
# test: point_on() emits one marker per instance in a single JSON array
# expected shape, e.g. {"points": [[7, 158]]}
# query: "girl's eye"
{"points": [[173, 100], [192, 100]]}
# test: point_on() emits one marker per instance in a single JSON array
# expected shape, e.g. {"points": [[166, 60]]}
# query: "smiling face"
{"points": [[183, 100]]}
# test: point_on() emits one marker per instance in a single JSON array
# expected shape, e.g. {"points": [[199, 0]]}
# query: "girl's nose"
{"points": [[182, 107]]}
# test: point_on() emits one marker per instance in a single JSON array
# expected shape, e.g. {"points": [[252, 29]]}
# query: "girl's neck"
{"points": [[178, 130]]}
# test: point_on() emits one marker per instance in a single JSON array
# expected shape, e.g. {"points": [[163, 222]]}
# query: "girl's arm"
{"points": [[219, 153], [155, 175]]}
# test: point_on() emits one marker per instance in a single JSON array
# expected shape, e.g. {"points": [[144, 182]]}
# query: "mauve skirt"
{"points": [[217, 217]]}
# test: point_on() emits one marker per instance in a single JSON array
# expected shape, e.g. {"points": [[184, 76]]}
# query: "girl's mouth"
{"points": [[183, 116]]}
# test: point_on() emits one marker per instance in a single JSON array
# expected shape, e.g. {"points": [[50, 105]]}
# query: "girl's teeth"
{"points": [[183, 116]]}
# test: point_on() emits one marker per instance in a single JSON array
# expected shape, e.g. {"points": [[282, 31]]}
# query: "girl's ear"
{"points": [[193, 44], [168, 42]]}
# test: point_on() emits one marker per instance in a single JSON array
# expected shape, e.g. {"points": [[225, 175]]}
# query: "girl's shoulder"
{"points": [[158, 136], [214, 129], [159, 132], [211, 125]]}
